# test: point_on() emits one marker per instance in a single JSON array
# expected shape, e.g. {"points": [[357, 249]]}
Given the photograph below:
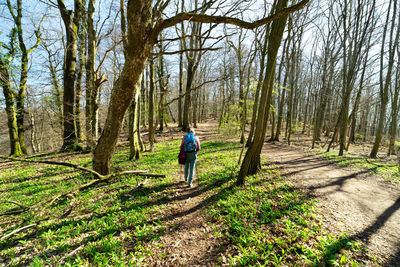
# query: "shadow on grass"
{"points": [[119, 227], [330, 253]]}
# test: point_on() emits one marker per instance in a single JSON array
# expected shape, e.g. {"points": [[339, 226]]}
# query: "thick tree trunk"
{"points": [[251, 162], [139, 49], [71, 22]]}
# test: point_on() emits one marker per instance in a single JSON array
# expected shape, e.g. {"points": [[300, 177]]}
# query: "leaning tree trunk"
{"points": [[139, 49], [257, 93], [251, 162]]}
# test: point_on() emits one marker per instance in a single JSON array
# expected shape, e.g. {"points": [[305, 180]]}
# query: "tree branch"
{"points": [[187, 50], [15, 203], [163, 24], [18, 230]]}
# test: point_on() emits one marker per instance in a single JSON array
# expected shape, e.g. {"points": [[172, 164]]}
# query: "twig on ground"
{"points": [[72, 253], [18, 230], [16, 203]]}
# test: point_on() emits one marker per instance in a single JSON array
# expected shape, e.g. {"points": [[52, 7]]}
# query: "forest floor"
{"points": [[214, 223], [355, 201]]}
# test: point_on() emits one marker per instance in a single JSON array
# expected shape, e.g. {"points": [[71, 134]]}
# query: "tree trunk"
{"points": [[186, 106], [139, 49], [151, 106], [10, 110], [78, 95], [133, 125], [395, 112], [251, 162], [385, 82], [71, 22], [24, 52], [91, 125], [180, 122], [258, 89]]}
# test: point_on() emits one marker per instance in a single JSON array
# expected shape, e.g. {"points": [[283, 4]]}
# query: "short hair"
{"points": [[190, 130]]}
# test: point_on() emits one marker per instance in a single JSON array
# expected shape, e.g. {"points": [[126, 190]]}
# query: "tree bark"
{"points": [[78, 95], [91, 107], [15, 145], [251, 162], [72, 22], [151, 106], [20, 97], [133, 125]]}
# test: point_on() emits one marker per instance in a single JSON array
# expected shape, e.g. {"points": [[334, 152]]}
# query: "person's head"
{"points": [[190, 130]]}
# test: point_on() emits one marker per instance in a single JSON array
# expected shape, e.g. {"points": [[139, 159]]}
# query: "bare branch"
{"points": [[187, 50], [16, 203], [18, 230], [163, 24], [105, 54]]}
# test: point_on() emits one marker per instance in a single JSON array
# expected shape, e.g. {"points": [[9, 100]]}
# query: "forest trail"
{"points": [[366, 207], [189, 241]]}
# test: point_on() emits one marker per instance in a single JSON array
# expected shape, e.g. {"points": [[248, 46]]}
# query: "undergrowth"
{"points": [[265, 222]]}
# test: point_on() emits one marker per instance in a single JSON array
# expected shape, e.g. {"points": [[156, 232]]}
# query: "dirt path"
{"points": [[189, 240], [354, 201]]}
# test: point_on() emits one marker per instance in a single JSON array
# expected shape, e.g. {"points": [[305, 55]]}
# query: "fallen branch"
{"points": [[96, 174], [15, 203], [69, 255], [18, 230]]}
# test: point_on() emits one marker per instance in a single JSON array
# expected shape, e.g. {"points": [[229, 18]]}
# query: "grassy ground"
{"points": [[265, 222], [385, 167]]}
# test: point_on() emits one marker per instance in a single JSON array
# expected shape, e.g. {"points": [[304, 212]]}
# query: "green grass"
{"points": [[387, 169], [265, 222], [270, 223]]}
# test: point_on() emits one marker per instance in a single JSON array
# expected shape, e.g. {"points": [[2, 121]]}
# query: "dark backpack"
{"points": [[190, 143]]}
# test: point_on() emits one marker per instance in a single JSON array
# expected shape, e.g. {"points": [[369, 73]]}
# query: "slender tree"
{"points": [[20, 97], [385, 78]]}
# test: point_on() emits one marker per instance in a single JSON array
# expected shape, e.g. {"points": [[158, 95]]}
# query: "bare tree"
{"points": [[385, 79]]}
